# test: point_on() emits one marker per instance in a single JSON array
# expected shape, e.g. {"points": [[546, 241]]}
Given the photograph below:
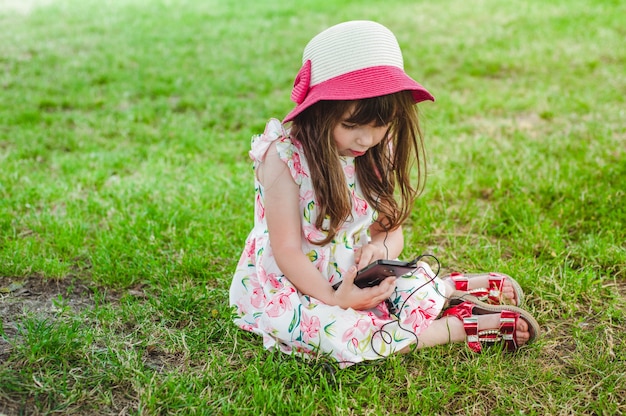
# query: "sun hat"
{"points": [[351, 61]]}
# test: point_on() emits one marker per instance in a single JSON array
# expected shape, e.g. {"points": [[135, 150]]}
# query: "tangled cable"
{"points": [[385, 335]]}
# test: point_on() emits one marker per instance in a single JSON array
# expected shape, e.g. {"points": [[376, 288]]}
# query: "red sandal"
{"points": [[509, 315], [491, 295]]}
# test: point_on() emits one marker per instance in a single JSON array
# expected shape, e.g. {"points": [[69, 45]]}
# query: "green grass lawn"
{"points": [[126, 194]]}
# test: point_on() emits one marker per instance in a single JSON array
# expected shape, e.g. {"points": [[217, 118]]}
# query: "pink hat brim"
{"points": [[363, 83]]}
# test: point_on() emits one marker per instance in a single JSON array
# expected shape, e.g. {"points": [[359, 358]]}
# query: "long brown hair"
{"points": [[383, 168]]}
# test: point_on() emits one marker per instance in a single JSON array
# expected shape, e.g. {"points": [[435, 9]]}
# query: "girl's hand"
{"points": [[348, 295], [367, 254]]}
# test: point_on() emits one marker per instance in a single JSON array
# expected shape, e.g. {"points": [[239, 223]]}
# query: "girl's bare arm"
{"points": [[283, 217]]}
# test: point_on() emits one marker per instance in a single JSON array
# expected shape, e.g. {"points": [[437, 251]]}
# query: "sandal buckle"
{"points": [[471, 330]]}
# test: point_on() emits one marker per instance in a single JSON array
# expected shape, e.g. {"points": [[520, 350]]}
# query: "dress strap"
{"points": [[261, 142]]}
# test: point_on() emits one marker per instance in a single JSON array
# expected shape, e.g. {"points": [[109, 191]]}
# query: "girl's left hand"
{"points": [[348, 295], [367, 254]]}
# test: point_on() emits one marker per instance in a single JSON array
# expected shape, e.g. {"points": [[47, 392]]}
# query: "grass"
{"points": [[125, 198]]}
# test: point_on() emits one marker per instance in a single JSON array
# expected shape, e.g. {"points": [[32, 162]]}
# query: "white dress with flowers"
{"points": [[266, 302]]}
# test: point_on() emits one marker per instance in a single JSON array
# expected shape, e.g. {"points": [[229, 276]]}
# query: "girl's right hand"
{"points": [[348, 295]]}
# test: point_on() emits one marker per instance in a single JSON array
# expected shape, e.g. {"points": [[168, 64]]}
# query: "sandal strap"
{"points": [[475, 338], [508, 320], [496, 282], [461, 311], [491, 294], [472, 336]]}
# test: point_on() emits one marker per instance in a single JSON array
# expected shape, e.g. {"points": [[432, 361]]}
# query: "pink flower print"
{"points": [[362, 325], [310, 327], [429, 310], [322, 262], [250, 248], [403, 296], [242, 309], [349, 170], [260, 209], [247, 327], [273, 279], [355, 343], [280, 303], [313, 234], [257, 295], [359, 204], [257, 299], [348, 334], [420, 315], [297, 165], [301, 349], [382, 309], [307, 196], [261, 275], [413, 319], [322, 256]]}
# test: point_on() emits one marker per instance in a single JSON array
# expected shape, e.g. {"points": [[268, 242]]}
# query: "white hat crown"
{"points": [[351, 46]]}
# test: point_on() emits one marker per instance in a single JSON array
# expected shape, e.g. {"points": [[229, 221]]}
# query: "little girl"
{"points": [[332, 190]]}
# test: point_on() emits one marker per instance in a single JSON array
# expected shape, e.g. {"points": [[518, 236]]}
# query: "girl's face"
{"points": [[355, 139]]}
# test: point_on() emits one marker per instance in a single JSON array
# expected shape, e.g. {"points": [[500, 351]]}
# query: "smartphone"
{"points": [[379, 270]]}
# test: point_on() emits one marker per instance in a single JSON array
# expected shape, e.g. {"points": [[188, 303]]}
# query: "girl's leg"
{"points": [[450, 329], [442, 331], [449, 290]]}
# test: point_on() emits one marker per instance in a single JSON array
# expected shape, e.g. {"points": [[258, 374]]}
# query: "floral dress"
{"points": [[267, 303]]}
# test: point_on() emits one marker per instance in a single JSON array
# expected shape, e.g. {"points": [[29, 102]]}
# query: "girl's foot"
{"points": [[492, 288], [490, 325], [487, 323]]}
